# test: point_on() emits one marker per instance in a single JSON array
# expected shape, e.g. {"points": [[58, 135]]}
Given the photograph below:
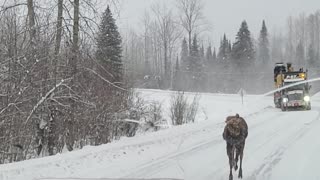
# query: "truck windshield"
{"points": [[296, 87]]}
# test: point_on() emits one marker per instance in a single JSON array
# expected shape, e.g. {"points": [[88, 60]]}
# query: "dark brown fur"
{"points": [[235, 134]]}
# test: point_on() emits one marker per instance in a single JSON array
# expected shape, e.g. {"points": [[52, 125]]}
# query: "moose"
{"points": [[235, 134]]}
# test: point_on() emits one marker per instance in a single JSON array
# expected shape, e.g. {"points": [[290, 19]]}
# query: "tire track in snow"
{"points": [[150, 168], [264, 171], [255, 133]]}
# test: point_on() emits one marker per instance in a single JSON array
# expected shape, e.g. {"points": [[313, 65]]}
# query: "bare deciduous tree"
{"points": [[168, 33], [191, 16]]}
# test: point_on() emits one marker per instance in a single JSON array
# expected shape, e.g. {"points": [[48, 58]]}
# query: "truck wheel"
{"points": [[283, 108], [308, 107], [279, 103]]}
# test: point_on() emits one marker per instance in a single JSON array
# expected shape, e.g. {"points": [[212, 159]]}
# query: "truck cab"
{"points": [[295, 96]]}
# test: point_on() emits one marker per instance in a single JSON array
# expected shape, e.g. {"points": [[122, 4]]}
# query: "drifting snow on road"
{"points": [[280, 145]]}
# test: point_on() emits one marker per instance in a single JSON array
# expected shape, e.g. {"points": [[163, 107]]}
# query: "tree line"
{"points": [[190, 63], [62, 82]]}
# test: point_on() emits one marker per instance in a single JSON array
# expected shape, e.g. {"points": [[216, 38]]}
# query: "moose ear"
{"points": [[237, 115]]}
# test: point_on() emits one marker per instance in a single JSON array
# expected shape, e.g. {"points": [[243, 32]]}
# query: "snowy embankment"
{"points": [[213, 107], [195, 151]]}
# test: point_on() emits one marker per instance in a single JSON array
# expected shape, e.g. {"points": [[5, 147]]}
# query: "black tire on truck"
{"points": [[308, 107], [283, 108], [278, 104]]}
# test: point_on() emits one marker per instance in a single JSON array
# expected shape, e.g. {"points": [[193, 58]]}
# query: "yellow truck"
{"points": [[296, 95]]}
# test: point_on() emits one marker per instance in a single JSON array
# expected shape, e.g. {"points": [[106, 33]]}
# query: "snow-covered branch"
{"points": [[48, 94], [104, 79]]}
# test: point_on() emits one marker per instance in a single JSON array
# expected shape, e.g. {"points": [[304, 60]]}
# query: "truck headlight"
{"points": [[285, 100], [306, 98]]}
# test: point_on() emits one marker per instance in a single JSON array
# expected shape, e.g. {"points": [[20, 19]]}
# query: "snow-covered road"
{"points": [[280, 145]]}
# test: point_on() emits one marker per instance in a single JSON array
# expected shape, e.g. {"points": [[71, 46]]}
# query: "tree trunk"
{"points": [[52, 118], [31, 60], [75, 44], [73, 66], [51, 131], [59, 27], [32, 29], [58, 38], [166, 69], [190, 40]]}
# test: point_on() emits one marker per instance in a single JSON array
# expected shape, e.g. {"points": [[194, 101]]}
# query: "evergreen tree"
{"points": [[202, 52], [195, 65], [263, 60], [243, 49], [209, 65], [229, 47], [184, 55], [243, 59], [177, 76], [195, 56], [263, 53], [209, 56], [224, 49], [221, 52], [109, 47], [212, 67], [214, 55]]}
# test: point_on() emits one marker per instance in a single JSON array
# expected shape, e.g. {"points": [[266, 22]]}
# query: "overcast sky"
{"points": [[227, 15]]}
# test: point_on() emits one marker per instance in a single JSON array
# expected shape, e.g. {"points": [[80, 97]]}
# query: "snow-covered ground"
{"points": [[280, 145]]}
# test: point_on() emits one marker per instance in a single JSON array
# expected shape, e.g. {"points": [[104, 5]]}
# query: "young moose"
{"points": [[235, 134]]}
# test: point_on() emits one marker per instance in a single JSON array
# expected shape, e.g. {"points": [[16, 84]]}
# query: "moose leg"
{"points": [[231, 164], [241, 157], [237, 158], [231, 159]]}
